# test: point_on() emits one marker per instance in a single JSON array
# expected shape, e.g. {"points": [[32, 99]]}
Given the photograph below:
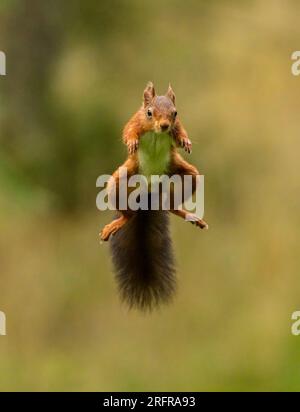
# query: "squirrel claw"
{"points": [[132, 146], [186, 144], [196, 221]]}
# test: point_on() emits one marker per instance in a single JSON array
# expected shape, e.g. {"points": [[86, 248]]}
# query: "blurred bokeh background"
{"points": [[75, 73]]}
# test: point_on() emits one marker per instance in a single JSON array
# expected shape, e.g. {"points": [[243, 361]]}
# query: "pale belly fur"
{"points": [[154, 153]]}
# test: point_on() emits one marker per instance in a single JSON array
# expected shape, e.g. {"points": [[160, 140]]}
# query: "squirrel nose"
{"points": [[164, 126]]}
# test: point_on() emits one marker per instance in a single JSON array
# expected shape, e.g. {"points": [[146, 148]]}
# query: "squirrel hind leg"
{"points": [[112, 228], [190, 217]]}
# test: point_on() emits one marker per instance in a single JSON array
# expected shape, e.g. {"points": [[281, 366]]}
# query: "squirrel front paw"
{"points": [[186, 144], [132, 145]]}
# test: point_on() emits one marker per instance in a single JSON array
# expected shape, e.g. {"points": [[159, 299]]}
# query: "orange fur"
{"points": [[163, 115]]}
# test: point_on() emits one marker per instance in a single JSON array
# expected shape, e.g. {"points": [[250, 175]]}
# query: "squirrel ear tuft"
{"points": [[170, 94], [149, 93]]}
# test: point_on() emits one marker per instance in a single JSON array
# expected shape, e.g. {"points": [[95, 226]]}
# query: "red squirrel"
{"points": [[140, 241]]}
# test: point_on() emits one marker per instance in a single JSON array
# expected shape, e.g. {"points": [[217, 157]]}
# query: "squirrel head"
{"points": [[159, 111]]}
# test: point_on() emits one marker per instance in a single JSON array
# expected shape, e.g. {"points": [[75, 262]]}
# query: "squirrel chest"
{"points": [[154, 153]]}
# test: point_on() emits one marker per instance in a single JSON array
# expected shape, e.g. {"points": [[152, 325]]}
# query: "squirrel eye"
{"points": [[175, 113], [149, 113]]}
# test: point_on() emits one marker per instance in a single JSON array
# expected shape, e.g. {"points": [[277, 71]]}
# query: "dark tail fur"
{"points": [[143, 259]]}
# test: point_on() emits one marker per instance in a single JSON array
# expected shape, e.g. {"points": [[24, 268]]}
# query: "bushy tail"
{"points": [[143, 260]]}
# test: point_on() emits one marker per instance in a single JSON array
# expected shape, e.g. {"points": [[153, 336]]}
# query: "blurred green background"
{"points": [[75, 73]]}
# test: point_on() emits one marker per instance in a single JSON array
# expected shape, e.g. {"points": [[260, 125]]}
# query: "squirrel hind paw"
{"points": [[195, 220]]}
